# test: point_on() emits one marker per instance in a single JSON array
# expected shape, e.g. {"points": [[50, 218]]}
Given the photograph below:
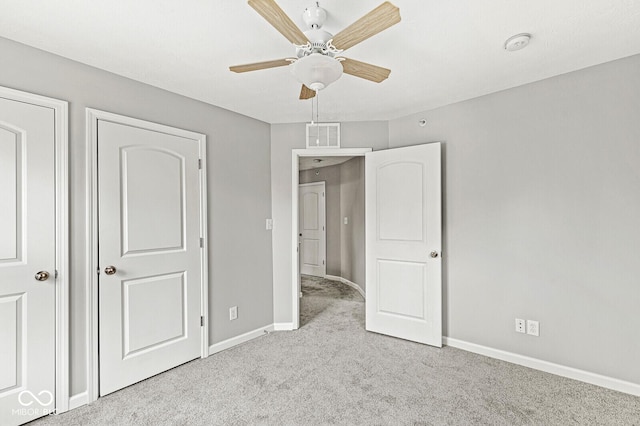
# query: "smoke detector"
{"points": [[517, 42]]}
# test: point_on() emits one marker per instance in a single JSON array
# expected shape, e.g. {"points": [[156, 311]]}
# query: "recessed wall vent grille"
{"points": [[323, 135]]}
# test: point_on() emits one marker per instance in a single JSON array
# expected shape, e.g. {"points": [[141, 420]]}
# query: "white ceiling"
{"points": [[308, 163], [441, 52]]}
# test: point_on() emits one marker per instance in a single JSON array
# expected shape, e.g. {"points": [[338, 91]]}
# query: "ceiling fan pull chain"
{"points": [[318, 117], [312, 122]]}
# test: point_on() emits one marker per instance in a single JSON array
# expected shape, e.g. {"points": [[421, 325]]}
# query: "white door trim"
{"points": [[92, 117], [295, 181], [61, 134]]}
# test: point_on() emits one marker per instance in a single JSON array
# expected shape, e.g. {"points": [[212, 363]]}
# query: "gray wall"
{"points": [[542, 214], [331, 176], [352, 207], [284, 138], [239, 184]]}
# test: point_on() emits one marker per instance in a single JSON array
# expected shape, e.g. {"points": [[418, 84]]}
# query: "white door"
{"points": [[311, 226], [403, 243], [149, 253], [27, 248]]}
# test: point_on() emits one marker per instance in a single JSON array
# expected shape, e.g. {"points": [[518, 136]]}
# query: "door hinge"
{"points": [[201, 242], [323, 193], [201, 321], [98, 270], [199, 163], [323, 262], [55, 274]]}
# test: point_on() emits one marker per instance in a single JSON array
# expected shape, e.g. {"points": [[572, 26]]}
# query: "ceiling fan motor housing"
{"points": [[314, 16]]}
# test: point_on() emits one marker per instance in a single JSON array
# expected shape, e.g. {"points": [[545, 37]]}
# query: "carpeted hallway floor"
{"points": [[331, 371]]}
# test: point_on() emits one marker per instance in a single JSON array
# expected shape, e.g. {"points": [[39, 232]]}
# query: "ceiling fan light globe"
{"points": [[316, 71]]}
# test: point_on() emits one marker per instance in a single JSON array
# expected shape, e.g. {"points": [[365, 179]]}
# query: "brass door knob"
{"points": [[42, 276], [110, 270]]}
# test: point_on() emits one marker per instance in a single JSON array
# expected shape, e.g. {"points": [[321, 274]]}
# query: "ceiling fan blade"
{"points": [[270, 11], [259, 65], [306, 93], [363, 70], [379, 19]]}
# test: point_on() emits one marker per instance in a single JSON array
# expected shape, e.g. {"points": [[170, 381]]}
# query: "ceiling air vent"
{"points": [[323, 135]]}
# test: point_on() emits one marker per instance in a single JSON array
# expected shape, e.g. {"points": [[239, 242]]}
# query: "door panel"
{"points": [[401, 289], [12, 318], [311, 252], [149, 230], [11, 203], [27, 246], [403, 226], [310, 211], [400, 216], [152, 199], [166, 294], [312, 217]]}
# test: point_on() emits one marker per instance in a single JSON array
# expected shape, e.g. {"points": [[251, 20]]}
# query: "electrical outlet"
{"points": [[233, 313], [269, 224], [520, 325], [533, 328]]}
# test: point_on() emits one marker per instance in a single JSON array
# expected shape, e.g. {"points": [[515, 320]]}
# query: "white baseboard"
{"points": [[549, 367], [234, 341], [347, 282], [282, 326], [78, 400]]}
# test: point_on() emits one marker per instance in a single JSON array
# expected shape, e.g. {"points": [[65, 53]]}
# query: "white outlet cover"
{"points": [[269, 224], [533, 328], [233, 313], [520, 325]]}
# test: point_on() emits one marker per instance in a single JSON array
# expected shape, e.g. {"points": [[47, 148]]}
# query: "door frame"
{"points": [[92, 117], [295, 181], [324, 231], [61, 198]]}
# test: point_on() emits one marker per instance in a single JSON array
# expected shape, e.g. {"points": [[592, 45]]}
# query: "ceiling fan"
{"points": [[317, 64]]}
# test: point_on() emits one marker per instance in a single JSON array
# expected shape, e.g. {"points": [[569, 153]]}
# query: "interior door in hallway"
{"points": [[149, 252], [311, 228], [404, 243], [27, 261]]}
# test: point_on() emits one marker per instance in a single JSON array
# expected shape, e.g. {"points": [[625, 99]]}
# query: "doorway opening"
{"points": [[403, 239], [321, 165]]}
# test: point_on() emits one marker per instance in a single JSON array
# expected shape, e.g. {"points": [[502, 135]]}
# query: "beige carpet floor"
{"points": [[331, 371]]}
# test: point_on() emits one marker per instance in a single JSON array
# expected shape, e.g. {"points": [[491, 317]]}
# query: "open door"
{"points": [[404, 242]]}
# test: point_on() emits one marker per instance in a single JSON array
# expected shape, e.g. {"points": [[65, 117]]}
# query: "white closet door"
{"points": [[149, 253], [27, 261]]}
